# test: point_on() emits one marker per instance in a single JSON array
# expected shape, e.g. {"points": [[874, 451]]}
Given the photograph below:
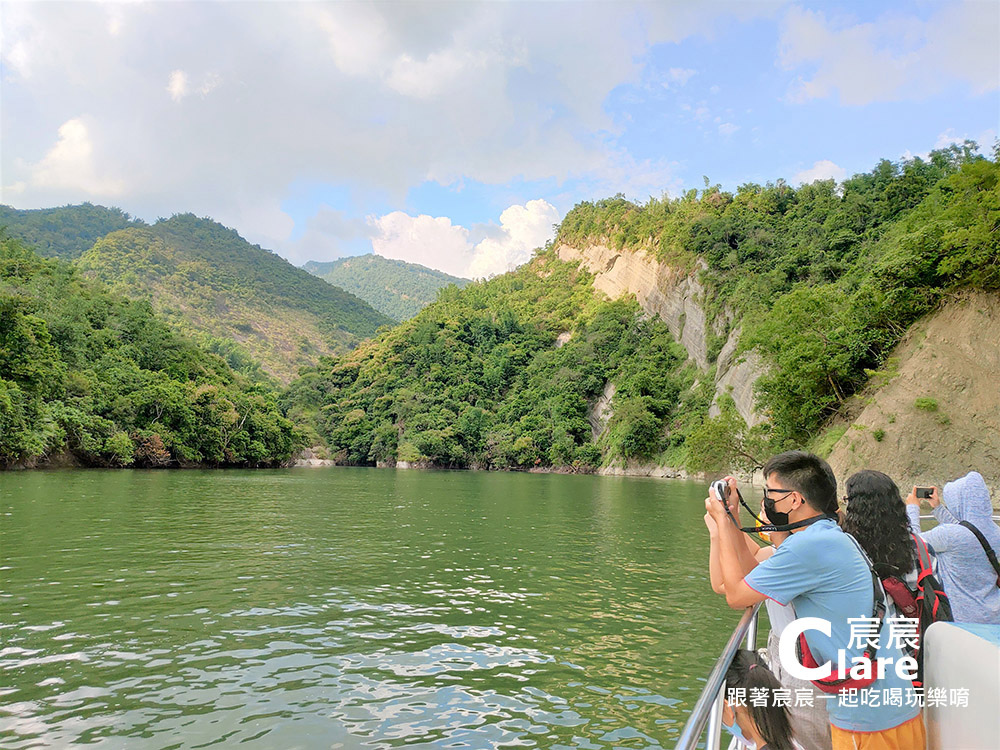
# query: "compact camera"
{"points": [[924, 492], [721, 489]]}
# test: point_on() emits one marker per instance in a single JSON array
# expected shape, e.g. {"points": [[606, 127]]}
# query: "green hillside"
{"points": [[477, 379], [104, 378], [214, 285], [65, 232], [824, 280], [394, 288]]}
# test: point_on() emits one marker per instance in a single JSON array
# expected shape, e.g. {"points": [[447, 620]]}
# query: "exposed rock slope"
{"points": [[676, 297], [949, 360], [938, 416]]}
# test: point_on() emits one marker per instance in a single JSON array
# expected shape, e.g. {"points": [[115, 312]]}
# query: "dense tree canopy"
{"points": [[477, 379], [65, 232], [106, 379], [215, 286]]}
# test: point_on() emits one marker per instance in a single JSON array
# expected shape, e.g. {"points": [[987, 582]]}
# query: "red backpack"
{"points": [[929, 603]]}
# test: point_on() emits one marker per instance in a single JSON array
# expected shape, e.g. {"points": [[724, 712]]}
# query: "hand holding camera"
{"points": [[723, 494], [930, 494]]}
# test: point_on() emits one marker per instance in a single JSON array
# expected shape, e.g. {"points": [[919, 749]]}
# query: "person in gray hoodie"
{"points": [[968, 577]]}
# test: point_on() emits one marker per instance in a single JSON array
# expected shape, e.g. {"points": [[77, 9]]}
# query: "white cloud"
{"points": [[728, 128], [524, 228], [437, 74], [430, 241], [895, 58], [70, 165], [378, 96], [821, 170], [177, 85], [437, 243], [355, 33]]}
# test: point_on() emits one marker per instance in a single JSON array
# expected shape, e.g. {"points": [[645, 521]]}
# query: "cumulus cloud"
{"points": [[895, 58], [430, 241], [524, 228], [821, 170], [70, 166], [437, 243], [728, 128], [381, 96]]}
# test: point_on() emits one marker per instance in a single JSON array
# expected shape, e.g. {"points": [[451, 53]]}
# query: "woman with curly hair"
{"points": [[876, 517]]}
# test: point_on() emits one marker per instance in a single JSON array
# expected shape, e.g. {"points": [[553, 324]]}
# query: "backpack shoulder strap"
{"points": [[990, 554], [924, 560]]}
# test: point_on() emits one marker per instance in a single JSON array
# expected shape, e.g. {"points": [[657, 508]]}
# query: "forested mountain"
{"points": [[65, 232], [393, 287], [216, 286], [821, 280], [501, 374], [105, 379]]}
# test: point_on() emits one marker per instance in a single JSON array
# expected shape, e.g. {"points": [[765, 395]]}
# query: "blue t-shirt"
{"points": [[821, 573]]}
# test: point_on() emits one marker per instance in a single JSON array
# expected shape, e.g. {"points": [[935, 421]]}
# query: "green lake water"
{"points": [[351, 608]]}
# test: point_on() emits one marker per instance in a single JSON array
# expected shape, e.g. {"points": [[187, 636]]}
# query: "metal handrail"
{"points": [[708, 710]]}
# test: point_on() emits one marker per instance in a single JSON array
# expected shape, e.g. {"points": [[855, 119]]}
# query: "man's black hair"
{"points": [[807, 474]]}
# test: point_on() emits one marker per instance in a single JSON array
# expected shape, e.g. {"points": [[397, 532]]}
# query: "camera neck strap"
{"points": [[766, 526]]}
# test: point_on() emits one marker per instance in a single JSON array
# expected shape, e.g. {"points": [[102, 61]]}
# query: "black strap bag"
{"points": [[990, 554]]}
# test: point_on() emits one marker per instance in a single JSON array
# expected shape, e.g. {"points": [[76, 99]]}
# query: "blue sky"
{"points": [[456, 134]]}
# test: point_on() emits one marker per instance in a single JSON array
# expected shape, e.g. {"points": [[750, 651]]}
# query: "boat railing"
{"points": [[706, 716]]}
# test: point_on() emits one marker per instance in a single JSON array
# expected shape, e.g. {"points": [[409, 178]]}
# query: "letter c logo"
{"points": [[786, 649]]}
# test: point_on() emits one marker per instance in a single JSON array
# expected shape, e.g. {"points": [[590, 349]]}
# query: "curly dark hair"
{"points": [[876, 517]]}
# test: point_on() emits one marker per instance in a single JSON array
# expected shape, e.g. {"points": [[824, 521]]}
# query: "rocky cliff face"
{"points": [[935, 414], [676, 297]]}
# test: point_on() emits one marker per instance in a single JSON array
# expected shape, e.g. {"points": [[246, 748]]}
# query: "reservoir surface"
{"points": [[351, 608]]}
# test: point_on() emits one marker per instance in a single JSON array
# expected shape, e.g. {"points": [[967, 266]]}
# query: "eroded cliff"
{"points": [[932, 415], [676, 297]]}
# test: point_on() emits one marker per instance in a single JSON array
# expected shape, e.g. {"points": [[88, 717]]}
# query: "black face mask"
{"points": [[776, 518]]}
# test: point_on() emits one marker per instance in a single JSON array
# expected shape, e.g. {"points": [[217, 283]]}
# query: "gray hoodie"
{"points": [[968, 578]]}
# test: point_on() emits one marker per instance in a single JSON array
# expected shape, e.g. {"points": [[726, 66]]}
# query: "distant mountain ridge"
{"points": [[210, 281], [393, 287], [239, 300]]}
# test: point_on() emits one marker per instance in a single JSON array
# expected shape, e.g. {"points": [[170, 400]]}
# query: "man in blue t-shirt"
{"points": [[822, 573]]}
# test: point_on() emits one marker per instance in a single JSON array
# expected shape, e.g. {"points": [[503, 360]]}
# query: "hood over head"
{"points": [[968, 497]]}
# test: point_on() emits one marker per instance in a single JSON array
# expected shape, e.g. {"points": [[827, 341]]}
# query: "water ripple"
{"points": [[350, 609]]}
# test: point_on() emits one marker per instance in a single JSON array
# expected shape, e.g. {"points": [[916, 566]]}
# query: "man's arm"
{"points": [[756, 552], [738, 594]]}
